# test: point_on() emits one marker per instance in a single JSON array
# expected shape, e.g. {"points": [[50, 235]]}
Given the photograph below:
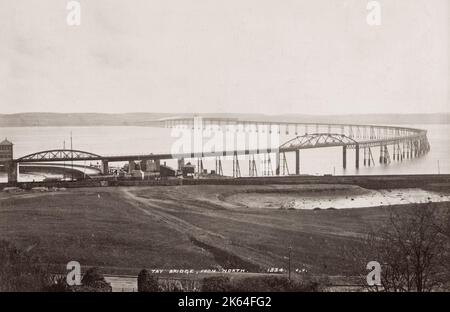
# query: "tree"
{"points": [[20, 271], [94, 281], [147, 282], [412, 249]]}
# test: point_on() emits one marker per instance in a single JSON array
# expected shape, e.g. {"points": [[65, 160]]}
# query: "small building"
{"points": [[166, 171], [188, 170], [6, 150]]}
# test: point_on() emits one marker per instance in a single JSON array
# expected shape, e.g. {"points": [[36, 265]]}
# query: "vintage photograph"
{"points": [[202, 146]]}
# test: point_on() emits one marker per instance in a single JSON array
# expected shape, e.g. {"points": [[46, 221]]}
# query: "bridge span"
{"points": [[394, 144]]}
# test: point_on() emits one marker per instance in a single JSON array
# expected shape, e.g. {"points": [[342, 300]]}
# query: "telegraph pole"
{"points": [[289, 268], [64, 163], [71, 153]]}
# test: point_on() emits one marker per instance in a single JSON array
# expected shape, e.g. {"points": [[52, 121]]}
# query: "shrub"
{"points": [[94, 281], [59, 285]]}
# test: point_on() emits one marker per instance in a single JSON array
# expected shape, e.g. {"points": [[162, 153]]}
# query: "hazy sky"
{"points": [[242, 56]]}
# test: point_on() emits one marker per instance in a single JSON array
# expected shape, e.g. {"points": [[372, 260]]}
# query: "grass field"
{"points": [[189, 227]]}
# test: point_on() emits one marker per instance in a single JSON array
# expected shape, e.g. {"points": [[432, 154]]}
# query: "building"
{"points": [[166, 171], [188, 170], [6, 150]]}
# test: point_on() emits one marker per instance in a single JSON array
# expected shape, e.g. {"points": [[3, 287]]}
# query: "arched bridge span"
{"points": [[59, 155], [317, 140]]}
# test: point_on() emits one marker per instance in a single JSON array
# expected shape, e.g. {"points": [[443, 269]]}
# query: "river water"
{"points": [[145, 140]]}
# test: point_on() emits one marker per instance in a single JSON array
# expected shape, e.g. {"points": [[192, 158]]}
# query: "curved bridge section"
{"points": [[59, 155], [363, 136], [394, 143]]}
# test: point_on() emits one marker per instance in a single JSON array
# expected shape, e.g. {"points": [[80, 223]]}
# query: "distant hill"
{"points": [[440, 118], [78, 119], [151, 119]]}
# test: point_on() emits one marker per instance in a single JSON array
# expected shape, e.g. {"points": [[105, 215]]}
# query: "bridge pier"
{"points": [[285, 164], [387, 156], [368, 158], [400, 152], [131, 166], [181, 164], [277, 161], [219, 170], [381, 154], [364, 158], [12, 169], [297, 162], [105, 167], [236, 167], [344, 157], [357, 156], [267, 165], [199, 165], [252, 169]]}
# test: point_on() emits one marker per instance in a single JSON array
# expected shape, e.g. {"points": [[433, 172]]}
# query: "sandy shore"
{"points": [[326, 197]]}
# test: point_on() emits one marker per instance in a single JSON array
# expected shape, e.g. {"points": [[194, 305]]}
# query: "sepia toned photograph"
{"points": [[210, 146]]}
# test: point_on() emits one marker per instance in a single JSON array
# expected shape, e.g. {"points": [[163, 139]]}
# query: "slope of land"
{"points": [[184, 227]]}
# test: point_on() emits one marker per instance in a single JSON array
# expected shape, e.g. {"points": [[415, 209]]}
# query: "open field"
{"points": [[125, 229]]}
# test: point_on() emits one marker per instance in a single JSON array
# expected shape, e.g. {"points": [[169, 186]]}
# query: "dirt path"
{"points": [[220, 246]]}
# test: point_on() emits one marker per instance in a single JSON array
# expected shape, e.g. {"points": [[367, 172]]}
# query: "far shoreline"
{"points": [[141, 119]]}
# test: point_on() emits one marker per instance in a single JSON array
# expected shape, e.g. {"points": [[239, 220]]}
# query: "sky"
{"points": [[225, 56]]}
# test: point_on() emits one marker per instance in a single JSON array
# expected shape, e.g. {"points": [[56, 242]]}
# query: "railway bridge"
{"points": [[393, 143]]}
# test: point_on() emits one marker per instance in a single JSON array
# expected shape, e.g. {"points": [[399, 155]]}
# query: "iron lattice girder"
{"points": [[391, 141], [316, 140], [59, 154]]}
